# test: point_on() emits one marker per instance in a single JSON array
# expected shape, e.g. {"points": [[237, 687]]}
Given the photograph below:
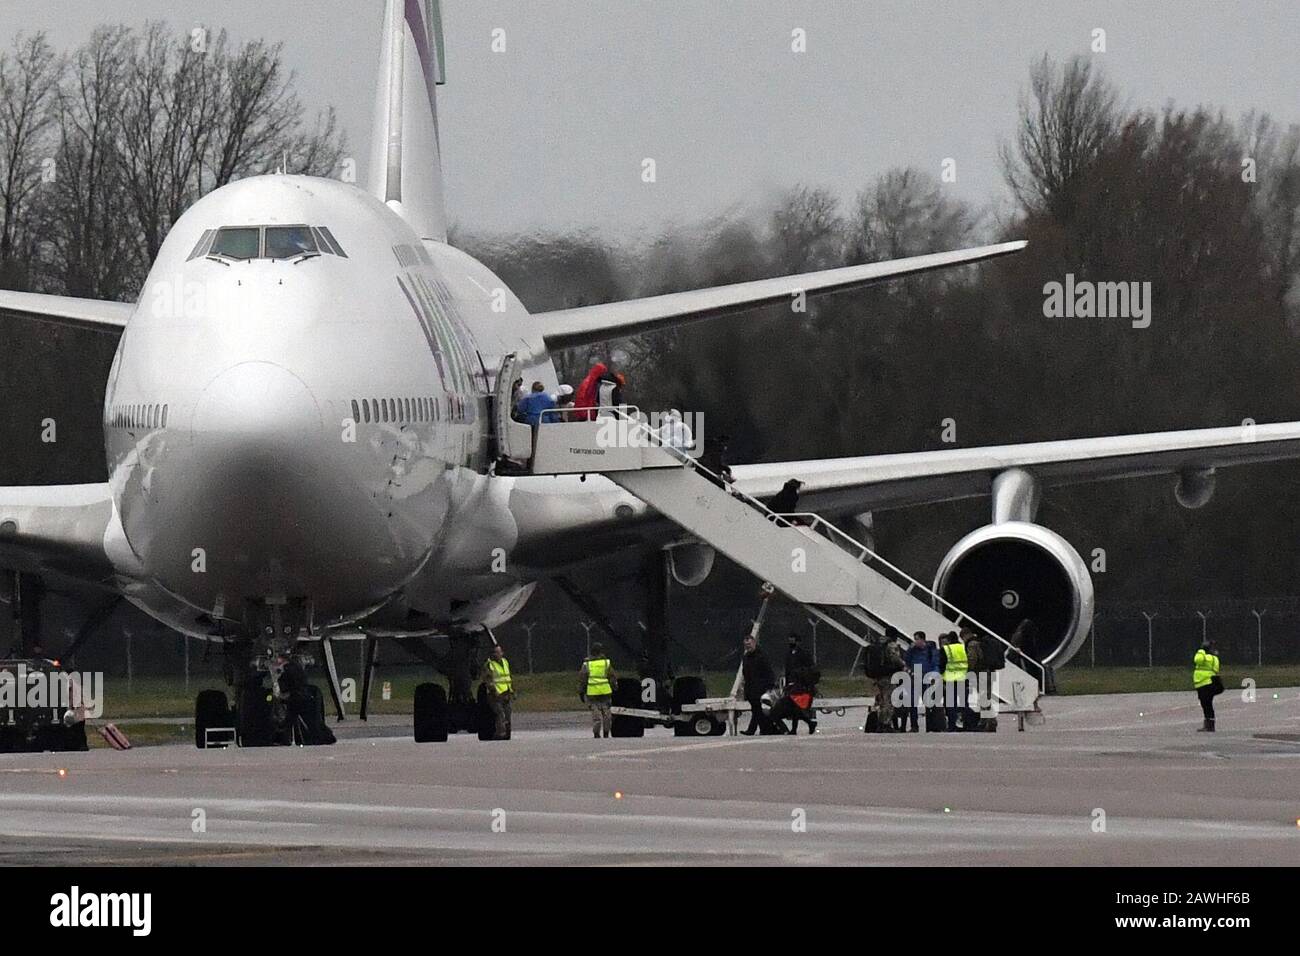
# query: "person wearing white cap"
{"points": [[563, 400]]}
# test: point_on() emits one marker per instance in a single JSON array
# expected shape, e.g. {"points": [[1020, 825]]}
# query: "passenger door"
{"points": [[514, 440]]}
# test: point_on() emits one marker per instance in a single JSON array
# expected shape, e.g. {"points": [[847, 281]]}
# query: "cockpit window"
{"points": [[333, 243], [237, 243], [285, 242], [267, 242], [204, 242]]}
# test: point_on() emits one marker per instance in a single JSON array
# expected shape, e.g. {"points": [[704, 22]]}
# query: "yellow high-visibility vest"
{"points": [[1205, 666], [957, 662], [500, 671], [598, 678]]}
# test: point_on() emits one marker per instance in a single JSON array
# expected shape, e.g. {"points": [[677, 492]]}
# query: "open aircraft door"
{"points": [[514, 440]]}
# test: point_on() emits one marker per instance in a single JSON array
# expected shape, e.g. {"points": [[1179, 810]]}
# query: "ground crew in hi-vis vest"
{"points": [[1205, 678], [596, 680], [500, 690], [953, 659]]}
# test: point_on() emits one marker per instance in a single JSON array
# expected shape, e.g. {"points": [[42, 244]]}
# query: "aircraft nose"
{"points": [[257, 408], [252, 495], [271, 498]]}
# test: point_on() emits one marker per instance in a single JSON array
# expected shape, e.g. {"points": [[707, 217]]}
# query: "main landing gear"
{"points": [[459, 708]]}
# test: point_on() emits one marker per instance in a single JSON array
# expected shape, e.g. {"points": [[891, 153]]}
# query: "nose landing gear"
{"points": [[275, 703]]}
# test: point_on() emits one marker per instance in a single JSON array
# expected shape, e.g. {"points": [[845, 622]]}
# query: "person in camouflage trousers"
{"points": [[884, 689]]}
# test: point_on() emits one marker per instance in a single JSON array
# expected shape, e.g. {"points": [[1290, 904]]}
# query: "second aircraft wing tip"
{"points": [[1011, 245]]}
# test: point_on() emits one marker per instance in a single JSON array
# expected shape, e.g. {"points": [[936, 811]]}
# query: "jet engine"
{"points": [[691, 563], [1195, 488], [1005, 574]]}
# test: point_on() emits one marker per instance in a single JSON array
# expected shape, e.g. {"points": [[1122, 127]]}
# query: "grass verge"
{"points": [[167, 697]]}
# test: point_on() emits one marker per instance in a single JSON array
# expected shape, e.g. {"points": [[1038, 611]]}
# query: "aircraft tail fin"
{"points": [[406, 159]]}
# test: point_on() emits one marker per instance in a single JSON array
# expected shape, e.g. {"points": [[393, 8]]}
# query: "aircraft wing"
{"points": [[599, 323], [847, 485], [561, 523], [57, 531], [94, 314]]}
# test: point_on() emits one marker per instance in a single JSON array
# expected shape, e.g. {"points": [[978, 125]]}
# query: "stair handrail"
{"points": [[913, 584], [589, 413], [864, 551]]}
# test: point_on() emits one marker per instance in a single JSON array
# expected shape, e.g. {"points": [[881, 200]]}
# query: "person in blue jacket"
{"points": [[921, 658], [532, 405]]}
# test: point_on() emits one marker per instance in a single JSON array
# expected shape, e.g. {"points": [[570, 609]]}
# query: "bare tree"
{"points": [[139, 126], [906, 213], [193, 121], [29, 78], [93, 255], [165, 126], [258, 123], [807, 232], [1066, 121], [1275, 155], [316, 151]]}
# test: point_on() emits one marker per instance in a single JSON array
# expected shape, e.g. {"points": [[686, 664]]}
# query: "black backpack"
{"points": [[875, 661], [995, 655]]}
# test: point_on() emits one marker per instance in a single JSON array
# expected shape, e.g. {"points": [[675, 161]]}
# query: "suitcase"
{"points": [[935, 720]]}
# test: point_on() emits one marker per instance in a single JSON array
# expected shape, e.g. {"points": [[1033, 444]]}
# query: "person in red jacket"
{"points": [[588, 394]]}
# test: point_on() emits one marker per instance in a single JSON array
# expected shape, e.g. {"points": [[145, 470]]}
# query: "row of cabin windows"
{"points": [[419, 409], [138, 416], [267, 242]]}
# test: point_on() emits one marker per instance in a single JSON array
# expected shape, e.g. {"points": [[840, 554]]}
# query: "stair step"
{"points": [[805, 557]]}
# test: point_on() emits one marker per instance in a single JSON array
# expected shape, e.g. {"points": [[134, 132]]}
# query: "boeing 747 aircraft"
{"points": [[307, 415]]}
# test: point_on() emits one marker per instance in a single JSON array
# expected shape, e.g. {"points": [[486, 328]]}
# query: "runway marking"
{"points": [[903, 744], [873, 834], [696, 745], [746, 813], [245, 804], [43, 770]]}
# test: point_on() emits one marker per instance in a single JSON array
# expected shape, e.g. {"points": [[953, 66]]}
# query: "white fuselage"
{"points": [[313, 428]]}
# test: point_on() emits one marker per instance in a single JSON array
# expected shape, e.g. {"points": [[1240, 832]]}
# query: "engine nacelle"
{"points": [[1195, 487], [691, 563], [1004, 574]]}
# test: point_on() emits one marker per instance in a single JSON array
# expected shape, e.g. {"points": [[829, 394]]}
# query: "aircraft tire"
{"points": [[211, 709], [487, 722], [431, 716], [254, 725]]}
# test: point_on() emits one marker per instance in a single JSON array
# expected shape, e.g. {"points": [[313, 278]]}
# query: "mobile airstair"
{"points": [[841, 581]]}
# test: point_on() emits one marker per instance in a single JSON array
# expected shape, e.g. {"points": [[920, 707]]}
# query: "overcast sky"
{"points": [[553, 131]]}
